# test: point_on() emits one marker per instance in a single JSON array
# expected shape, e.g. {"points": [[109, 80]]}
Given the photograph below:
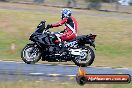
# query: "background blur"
{"points": [[111, 20], [106, 5]]}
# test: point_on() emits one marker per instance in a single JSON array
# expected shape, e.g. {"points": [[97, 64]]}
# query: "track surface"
{"points": [[17, 70]]}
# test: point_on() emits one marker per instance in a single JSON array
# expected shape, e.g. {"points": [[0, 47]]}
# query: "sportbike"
{"points": [[44, 46]]}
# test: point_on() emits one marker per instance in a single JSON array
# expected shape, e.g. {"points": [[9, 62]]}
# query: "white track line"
{"points": [[123, 68], [36, 73], [12, 61], [67, 65], [71, 75], [54, 74]]}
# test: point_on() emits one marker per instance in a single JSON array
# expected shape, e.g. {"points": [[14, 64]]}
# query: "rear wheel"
{"points": [[30, 54], [86, 57]]}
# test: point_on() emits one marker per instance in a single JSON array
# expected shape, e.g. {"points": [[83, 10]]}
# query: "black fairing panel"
{"points": [[40, 27], [81, 40], [41, 38]]}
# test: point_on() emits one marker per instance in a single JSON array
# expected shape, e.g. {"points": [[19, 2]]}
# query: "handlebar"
{"points": [[46, 28]]}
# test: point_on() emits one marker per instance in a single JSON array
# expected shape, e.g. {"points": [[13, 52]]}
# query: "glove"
{"points": [[49, 26]]}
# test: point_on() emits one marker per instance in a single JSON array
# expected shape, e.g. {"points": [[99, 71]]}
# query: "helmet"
{"points": [[66, 13]]}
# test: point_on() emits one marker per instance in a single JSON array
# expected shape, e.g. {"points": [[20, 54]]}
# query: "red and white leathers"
{"points": [[70, 30]]}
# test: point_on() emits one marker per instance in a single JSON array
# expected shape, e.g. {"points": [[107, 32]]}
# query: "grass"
{"points": [[114, 46], [45, 84], [81, 4]]}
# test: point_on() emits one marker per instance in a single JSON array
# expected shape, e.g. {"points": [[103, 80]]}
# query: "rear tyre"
{"points": [[86, 58], [30, 54]]}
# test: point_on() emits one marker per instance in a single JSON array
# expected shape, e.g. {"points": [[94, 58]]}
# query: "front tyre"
{"points": [[30, 54], [86, 57]]}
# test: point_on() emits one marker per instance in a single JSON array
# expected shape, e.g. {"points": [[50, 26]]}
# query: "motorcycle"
{"points": [[43, 46]]}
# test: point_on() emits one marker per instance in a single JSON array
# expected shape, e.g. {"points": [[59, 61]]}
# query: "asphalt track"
{"points": [[10, 70]]}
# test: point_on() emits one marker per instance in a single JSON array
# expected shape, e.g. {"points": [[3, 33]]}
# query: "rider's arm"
{"points": [[60, 22]]}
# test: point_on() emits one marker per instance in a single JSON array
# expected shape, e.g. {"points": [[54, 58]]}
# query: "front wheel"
{"points": [[86, 57], [30, 54]]}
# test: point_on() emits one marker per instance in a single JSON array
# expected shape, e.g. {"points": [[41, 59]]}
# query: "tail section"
{"points": [[86, 39]]}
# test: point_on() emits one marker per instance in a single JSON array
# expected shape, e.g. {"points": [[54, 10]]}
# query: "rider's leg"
{"points": [[59, 39], [66, 37]]}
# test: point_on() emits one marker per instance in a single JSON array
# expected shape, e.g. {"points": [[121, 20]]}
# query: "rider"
{"points": [[70, 22]]}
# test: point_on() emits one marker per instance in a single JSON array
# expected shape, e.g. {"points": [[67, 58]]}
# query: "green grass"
{"points": [[113, 40], [48, 84]]}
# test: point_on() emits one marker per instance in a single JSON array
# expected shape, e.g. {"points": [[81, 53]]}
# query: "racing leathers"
{"points": [[70, 30]]}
